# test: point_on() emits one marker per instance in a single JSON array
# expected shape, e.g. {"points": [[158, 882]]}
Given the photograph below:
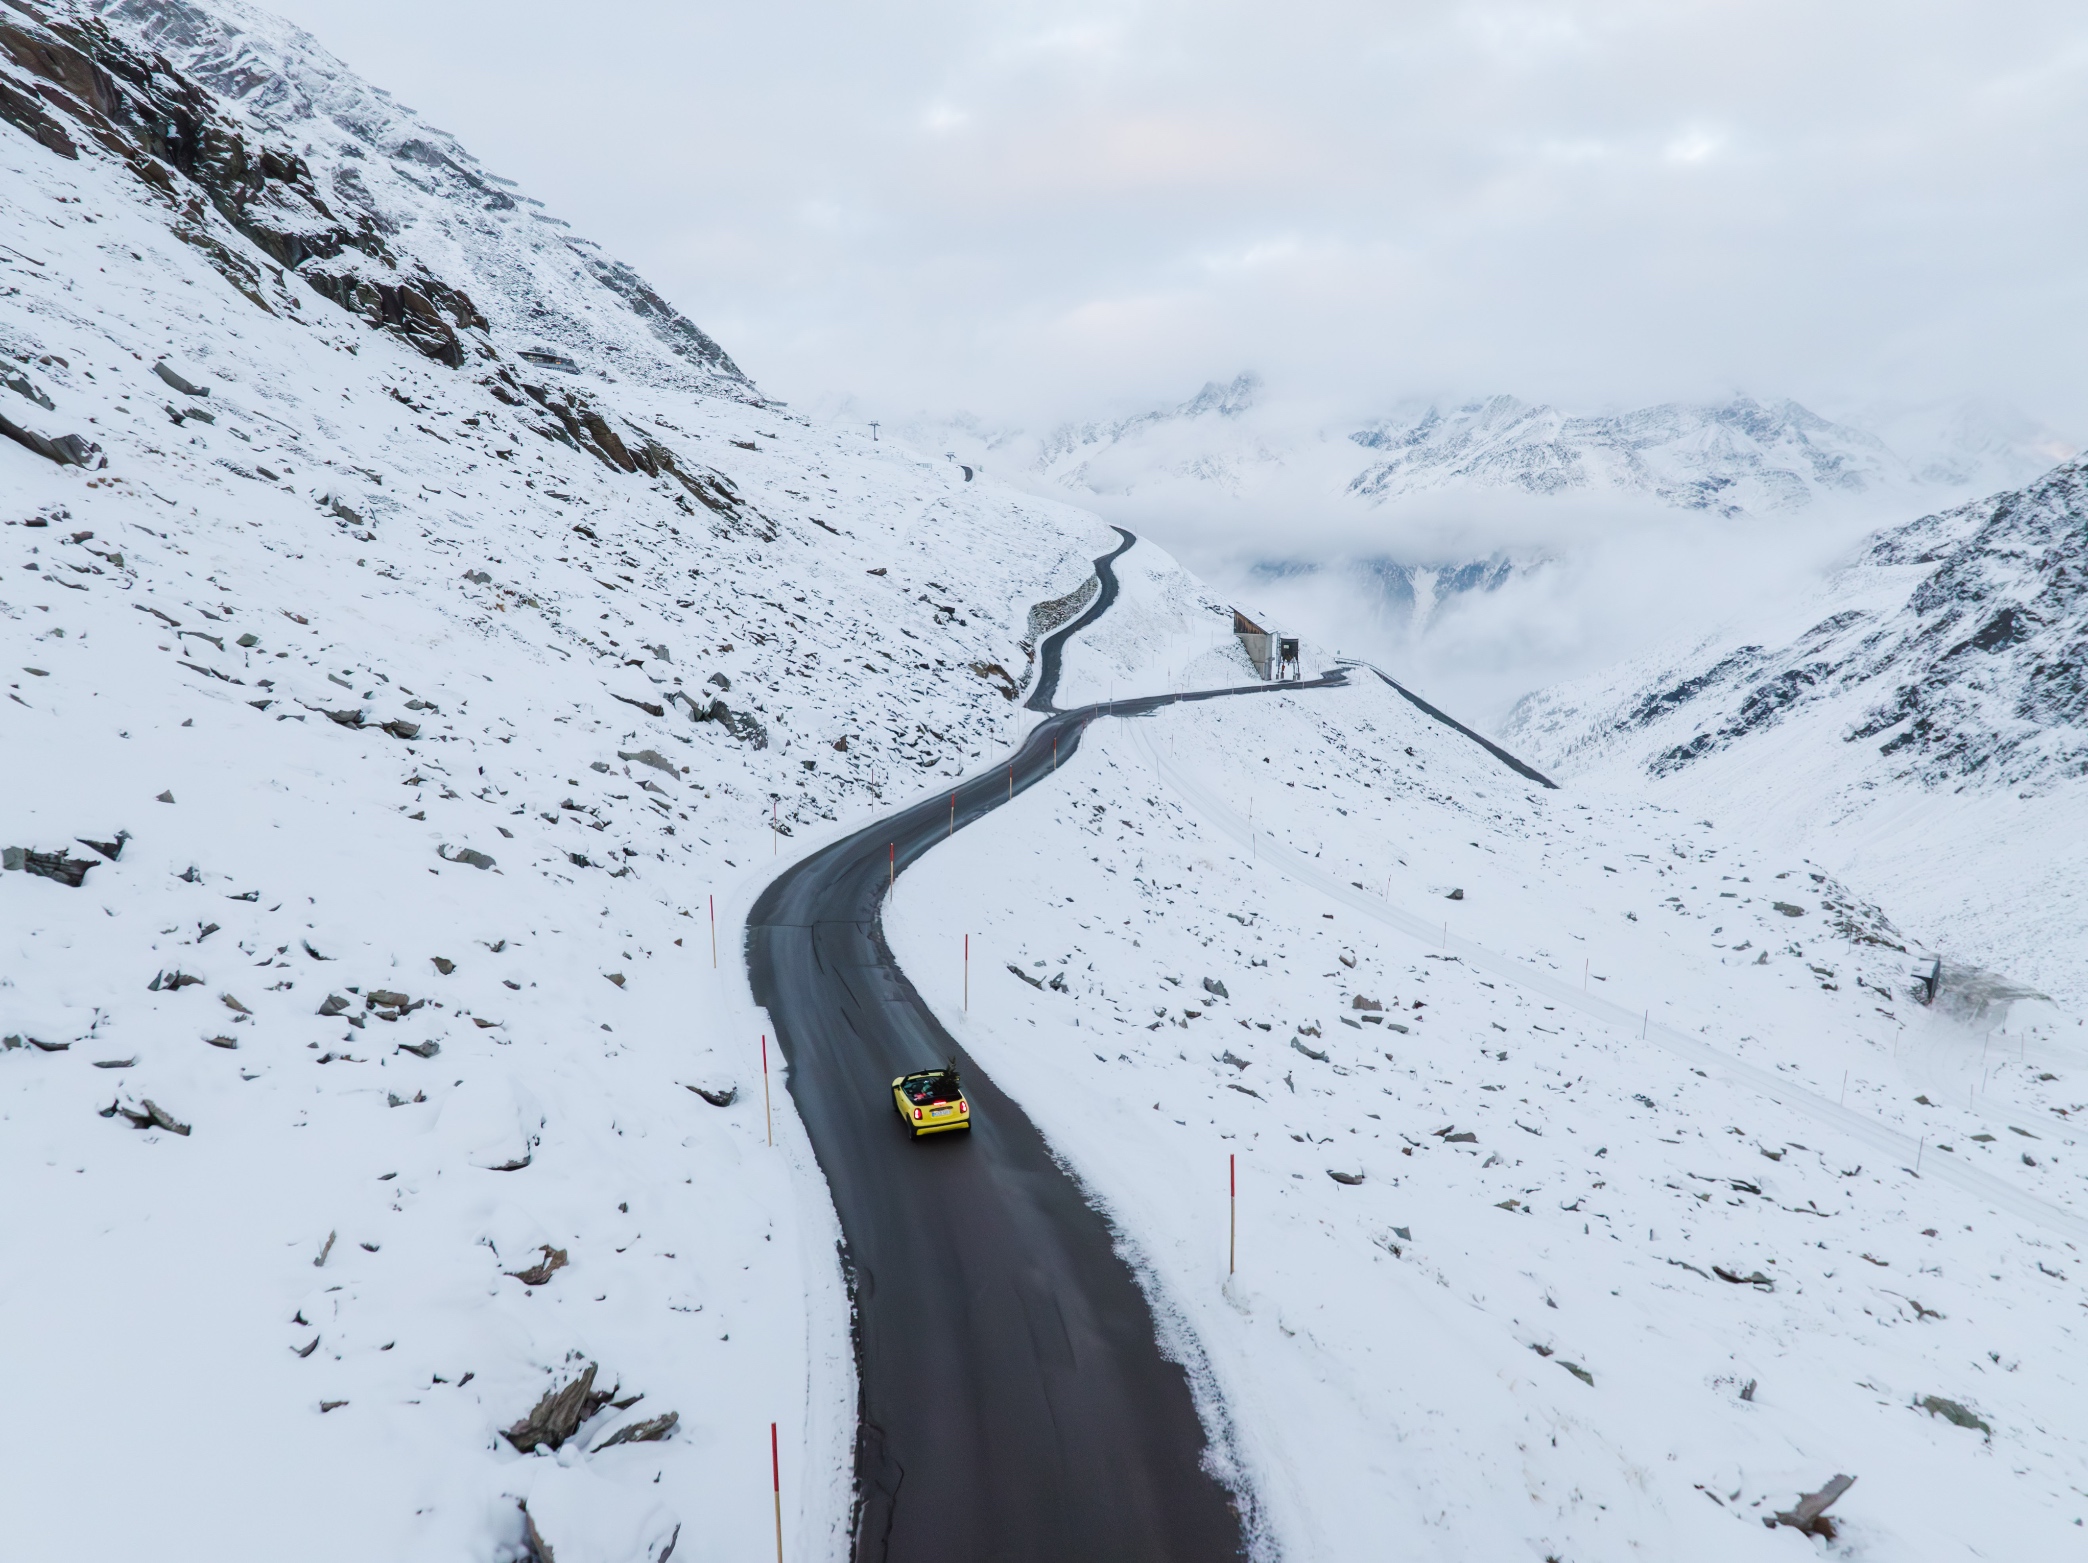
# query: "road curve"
{"points": [[1015, 1405]]}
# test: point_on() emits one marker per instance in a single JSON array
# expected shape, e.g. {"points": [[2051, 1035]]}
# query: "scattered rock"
{"points": [[556, 1417], [112, 850], [399, 727], [1579, 1372], [471, 855], [224, 1042], [1228, 1057], [149, 1114], [1349, 1178], [1787, 909], [1361, 1003], [172, 982], [444, 964], [1809, 1515], [1215, 988], [1458, 895], [165, 797], [177, 382], [426, 1049], [233, 1004], [1308, 1052], [50, 865], [334, 1004], [67, 450], [646, 1432], [537, 1274], [116, 1063], [41, 1046], [1758, 1281], [724, 1098], [616, 977], [652, 757], [1953, 1413], [1034, 982]]}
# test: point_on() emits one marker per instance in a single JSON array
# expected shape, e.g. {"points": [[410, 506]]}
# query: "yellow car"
{"points": [[931, 1101]]}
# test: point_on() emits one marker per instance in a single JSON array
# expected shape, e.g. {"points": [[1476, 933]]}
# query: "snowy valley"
{"points": [[425, 645]]}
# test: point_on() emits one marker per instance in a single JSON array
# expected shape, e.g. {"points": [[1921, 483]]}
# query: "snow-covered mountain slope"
{"points": [[421, 697], [1921, 725], [1573, 1293]]}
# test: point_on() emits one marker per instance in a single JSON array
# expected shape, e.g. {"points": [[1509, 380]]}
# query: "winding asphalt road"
{"points": [[1016, 1407]]}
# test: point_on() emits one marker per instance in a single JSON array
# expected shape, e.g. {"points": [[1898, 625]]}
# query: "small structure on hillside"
{"points": [[1274, 656]]}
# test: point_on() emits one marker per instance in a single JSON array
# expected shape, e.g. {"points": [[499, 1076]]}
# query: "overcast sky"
{"points": [[1037, 209]]}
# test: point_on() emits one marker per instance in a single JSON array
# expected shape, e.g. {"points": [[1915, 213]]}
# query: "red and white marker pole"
{"points": [[953, 813], [892, 866], [767, 1116], [714, 932], [776, 1482], [1232, 1241], [967, 974]]}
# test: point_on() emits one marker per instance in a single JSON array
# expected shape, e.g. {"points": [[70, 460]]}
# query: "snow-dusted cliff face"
{"points": [[1937, 691], [445, 687]]}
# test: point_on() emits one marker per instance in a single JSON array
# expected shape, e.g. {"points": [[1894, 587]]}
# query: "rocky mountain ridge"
{"points": [[1919, 725], [1960, 657]]}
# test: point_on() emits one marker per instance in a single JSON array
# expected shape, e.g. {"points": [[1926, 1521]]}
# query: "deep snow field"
{"points": [[1403, 1357], [297, 1316]]}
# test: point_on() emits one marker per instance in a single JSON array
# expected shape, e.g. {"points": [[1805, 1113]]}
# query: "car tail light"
{"points": [[964, 1107], [917, 1115]]}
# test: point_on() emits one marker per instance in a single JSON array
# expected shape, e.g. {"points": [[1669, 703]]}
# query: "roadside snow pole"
{"points": [[1232, 1202], [967, 974], [776, 1481], [767, 1116], [1645, 1024], [1054, 754], [714, 932], [953, 814], [892, 866], [1584, 976], [775, 836], [1011, 784]]}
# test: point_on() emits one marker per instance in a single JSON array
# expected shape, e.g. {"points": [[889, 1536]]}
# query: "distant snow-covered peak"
{"points": [[1734, 458]]}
